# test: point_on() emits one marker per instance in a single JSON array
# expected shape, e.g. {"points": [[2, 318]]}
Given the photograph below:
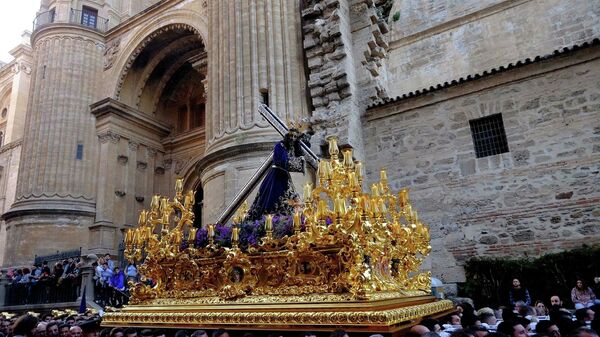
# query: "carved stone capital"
{"points": [[109, 136]]}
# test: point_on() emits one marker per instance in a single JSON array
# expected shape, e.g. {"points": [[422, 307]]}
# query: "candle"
{"points": [[235, 234], [211, 231], [403, 197], [333, 147], [269, 223], [155, 202], [128, 237], [328, 170], [383, 175], [321, 169], [382, 207], [179, 185], [142, 218], [358, 169], [192, 234], [186, 201], [165, 219], [297, 219], [322, 208], [164, 204], [348, 163], [352, 181], [307, 191], [374, 190], [148, 232]]}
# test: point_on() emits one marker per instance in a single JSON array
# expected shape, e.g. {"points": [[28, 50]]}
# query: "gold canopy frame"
{"points": [[350, 261]]}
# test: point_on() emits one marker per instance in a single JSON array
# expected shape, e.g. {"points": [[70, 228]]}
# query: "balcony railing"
{"points": [[77, 17], [51, 291], [87, 19], [44, 19]]}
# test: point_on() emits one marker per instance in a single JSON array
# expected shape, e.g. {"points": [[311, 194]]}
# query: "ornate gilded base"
{"points": [[384, 313]]}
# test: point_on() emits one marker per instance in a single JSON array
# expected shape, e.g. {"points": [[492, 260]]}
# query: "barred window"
{"points": [[489, 137], [89, 17]]}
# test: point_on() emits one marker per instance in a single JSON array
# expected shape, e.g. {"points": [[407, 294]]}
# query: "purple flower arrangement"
{"points": [[250, 232]]}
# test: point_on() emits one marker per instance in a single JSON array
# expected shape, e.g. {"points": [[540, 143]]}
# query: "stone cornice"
{"points": [[108, 108], [9, 146], [66, 30]]}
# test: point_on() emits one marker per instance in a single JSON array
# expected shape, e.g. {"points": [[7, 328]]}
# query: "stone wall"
{"points": [[459, 38], [542, 196]]}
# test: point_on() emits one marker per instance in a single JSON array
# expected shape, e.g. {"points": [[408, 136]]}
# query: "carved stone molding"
{"points": [[109, 136], [110, 53]]}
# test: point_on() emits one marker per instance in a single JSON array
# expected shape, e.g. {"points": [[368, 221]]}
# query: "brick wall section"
{"points": [[542, 196], [459, 40]]}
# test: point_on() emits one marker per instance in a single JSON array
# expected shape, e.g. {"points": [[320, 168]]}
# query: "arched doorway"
{"points": [[166, 78]]}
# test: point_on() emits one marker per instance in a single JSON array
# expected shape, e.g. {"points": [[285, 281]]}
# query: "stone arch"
{"points": [[179, 19]]}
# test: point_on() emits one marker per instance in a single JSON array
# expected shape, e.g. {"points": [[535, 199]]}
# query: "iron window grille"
{"points": [[489, 137]]}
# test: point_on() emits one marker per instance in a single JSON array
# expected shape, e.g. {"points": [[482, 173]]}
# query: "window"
{"points": [[4, 112], [488, 134], [1, 138], [264, 96], [79, 153], [89, 16]]}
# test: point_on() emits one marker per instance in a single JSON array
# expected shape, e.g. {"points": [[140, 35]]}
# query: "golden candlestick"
{"points": [[374, 190], [178, 187], [192, 235], [269, 223], [403, 197], [235, 236], [297, 222], [307, 192], [333, 146], [142, 218], [211, 233], [155, 202], [348, 162]]}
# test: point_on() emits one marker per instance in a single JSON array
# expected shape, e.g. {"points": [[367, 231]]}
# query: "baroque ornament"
{"points": [[350, 258]]}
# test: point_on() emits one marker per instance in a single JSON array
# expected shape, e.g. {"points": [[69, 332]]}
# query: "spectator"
{"points": [[159, 333], [40, 331], [75, 331], [199, 333], [417, 330], [90, 328], [305, 334], [220, 333], [336, 333], [130, 333], [117, 280], [584, 316], [116, 332], [70, 320], [582, 295], [584, 332], [477, 331], [17, 276], [104, 332], [547, 328], [131, 272], [518, 293], [146, 333], [52, 329], [182, 333], [63, 330], [25, 326], [540, 308], [488, 320], [427, 334], [109, 262], [431, 324], [512, 329]]}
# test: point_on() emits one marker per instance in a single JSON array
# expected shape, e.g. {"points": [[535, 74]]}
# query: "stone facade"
{"points": [[539, 197], [109, 115]]}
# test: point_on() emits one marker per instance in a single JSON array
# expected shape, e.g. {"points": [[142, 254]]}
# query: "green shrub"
{"points": [[396, 16], [489, 279]]}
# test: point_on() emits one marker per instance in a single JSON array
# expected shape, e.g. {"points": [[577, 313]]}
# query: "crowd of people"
{"points": [[521, 317], [45, 284], [111, 282]]}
